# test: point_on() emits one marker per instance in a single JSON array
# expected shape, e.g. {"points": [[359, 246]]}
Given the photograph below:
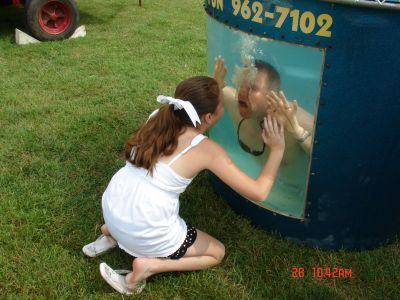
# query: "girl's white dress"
{"points": [[142, 211]]}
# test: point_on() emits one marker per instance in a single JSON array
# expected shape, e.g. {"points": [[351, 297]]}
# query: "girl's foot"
{"points": [[99, 246], [141, 270], [118, 281]]}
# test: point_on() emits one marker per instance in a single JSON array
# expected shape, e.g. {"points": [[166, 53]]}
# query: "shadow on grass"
{"points": [[10, 18], [94, 18], [86, 18]]}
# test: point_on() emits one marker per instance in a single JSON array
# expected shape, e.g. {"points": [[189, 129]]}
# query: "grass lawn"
{"points": [[66, 109]]}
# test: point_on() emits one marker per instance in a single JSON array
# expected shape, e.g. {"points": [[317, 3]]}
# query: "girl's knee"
{"points": [[220, 252]]}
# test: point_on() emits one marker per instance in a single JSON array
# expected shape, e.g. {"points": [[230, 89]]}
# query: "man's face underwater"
{"points": [[251, 96]]}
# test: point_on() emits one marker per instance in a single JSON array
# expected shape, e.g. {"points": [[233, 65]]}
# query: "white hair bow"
{"points": [[179, 104]]}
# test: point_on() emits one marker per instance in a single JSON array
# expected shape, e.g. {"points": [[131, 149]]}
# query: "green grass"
{"points": [[67, 108]]}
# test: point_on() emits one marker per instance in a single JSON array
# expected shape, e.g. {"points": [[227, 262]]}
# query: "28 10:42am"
{"points": [[323, 272]]}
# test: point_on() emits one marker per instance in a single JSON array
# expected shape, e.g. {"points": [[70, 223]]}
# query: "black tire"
{"points": [[50, 20]]}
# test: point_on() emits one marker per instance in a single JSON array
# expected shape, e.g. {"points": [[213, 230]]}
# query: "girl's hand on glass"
{"points": [[220, 71], [273, 133]]}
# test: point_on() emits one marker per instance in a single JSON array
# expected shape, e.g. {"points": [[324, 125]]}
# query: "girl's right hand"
{"points": [[273, 133]]}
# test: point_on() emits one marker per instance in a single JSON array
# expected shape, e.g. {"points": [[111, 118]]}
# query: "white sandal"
{"points": [[99, 246], [117, 281]]}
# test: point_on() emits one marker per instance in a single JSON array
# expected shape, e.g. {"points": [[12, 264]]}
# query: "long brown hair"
{"points": [[159, 135]]}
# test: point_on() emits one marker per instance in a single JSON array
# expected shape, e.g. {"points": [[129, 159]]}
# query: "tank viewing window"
{"points": [[255, 66]]}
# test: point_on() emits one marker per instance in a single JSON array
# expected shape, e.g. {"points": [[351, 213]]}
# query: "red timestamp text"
{"points": [[322, 272]]}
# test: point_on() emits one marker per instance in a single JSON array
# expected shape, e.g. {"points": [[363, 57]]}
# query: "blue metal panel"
{"points": [[352, 197]]}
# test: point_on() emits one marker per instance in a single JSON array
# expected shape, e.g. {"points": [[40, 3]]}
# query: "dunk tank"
{"points": [[341, 61]]}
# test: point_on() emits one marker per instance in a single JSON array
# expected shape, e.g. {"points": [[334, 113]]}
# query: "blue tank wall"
{"points": [[352, 199]]}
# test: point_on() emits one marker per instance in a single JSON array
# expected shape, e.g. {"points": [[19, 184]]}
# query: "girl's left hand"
{"points": [[220, 71]]}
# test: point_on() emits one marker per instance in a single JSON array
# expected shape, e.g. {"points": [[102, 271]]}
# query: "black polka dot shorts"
{"points": [[191, 236]]}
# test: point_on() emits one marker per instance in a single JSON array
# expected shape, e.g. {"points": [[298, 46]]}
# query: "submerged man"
{"points": [[256, 96]]}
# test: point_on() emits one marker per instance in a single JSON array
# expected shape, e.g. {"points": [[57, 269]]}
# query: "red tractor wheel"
{"points": [[52, 19]]}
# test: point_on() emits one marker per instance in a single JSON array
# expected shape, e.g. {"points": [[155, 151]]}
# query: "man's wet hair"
{"points": [[273, 75]]}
